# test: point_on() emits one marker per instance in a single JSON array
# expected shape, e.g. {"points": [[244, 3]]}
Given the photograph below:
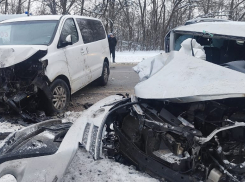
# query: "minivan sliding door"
{"points": [[93, 35]]}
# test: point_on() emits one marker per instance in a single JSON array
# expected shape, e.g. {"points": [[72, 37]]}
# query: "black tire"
{"points": [[61, 97], [103, 80]]}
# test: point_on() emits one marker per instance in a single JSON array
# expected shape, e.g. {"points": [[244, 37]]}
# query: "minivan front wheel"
{"points": [[61, 97], [105, 75]]}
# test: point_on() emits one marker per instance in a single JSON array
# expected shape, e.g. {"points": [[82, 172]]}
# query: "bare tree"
{"points": [[138, 24]]}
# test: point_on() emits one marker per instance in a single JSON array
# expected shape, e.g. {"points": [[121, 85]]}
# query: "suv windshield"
{"points": [[27, 32]]}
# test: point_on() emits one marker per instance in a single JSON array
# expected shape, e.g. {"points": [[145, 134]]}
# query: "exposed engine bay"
{"points": [[24, 85], [199, 141]]}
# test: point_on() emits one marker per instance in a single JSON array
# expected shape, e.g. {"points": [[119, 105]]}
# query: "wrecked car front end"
{"points": [[183, 129], [22, 79], [24, 47]]}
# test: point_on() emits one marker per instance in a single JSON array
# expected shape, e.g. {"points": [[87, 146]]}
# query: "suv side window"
{"points": [[69, 28], [91, 30]]}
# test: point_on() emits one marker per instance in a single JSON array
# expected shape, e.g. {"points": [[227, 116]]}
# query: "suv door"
{"points": [[93, 33], [75, 55]]}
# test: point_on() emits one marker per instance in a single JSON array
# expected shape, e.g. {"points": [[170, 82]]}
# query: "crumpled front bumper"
{"points": [[87, 130]]}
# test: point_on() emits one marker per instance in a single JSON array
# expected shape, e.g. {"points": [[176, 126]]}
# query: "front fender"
{"points": [[57, 68]]}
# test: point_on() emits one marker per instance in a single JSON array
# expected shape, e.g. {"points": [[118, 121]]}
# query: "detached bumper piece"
{"points": [[43, 151]]}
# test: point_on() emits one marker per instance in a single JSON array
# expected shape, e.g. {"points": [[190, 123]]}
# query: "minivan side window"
{"points": [[69, 28], [91, 30]]}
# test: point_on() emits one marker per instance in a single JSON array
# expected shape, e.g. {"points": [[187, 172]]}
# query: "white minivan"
{"points": [[45, 59]]}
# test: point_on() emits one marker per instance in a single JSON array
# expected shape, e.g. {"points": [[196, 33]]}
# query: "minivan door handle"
{"points": [[87, 49], [82, 51]]}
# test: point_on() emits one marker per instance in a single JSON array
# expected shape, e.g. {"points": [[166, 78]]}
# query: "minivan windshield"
{"points": [[27, 32]]}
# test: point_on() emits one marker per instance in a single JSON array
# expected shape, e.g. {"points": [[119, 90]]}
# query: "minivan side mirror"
{"points": [[68, 41]]}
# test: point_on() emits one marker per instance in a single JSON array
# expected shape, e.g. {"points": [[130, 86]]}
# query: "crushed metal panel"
{"points": [[148, 67], [188, 79], [11, 55]]}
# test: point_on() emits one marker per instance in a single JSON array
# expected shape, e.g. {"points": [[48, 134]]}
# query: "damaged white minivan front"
{"points": [[45, 59], [22, 78]]}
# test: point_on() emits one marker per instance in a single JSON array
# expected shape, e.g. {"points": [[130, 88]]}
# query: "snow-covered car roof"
{"points": [[231, 28], [199, 20], [30, 18], [44, 17], [11, 16]]}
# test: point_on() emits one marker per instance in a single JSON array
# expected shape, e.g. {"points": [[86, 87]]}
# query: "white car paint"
{"points": [[184, 78], [80, 63]]}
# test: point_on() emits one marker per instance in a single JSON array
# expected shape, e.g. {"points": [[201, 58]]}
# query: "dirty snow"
{"points": [[71, 116], [135, 57], [10, 125], [84, 168], [37, 145]]}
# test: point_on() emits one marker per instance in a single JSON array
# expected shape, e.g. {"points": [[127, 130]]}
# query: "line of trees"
{"points": [[138, 24]]}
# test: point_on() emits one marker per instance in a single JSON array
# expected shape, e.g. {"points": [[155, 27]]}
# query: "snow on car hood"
{"points": [[11, 55], [187, 79]]}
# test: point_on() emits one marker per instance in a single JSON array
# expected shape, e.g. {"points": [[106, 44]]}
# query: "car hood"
{"points": [[184, 78], [11, 55]]}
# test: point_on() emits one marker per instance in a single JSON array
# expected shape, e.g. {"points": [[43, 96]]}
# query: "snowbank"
{"points": [[135, 57]]}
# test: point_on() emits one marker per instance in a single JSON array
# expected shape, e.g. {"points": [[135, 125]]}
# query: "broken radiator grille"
{"points": [[93, 139], [85, 134]]}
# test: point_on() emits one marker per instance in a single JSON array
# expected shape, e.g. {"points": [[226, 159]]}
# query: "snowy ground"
{"points": [[83, 167], [11, 124], [135, 57]]}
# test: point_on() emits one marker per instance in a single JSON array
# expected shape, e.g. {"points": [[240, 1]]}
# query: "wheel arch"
{"points": [[65, 79], [106, 60]]}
